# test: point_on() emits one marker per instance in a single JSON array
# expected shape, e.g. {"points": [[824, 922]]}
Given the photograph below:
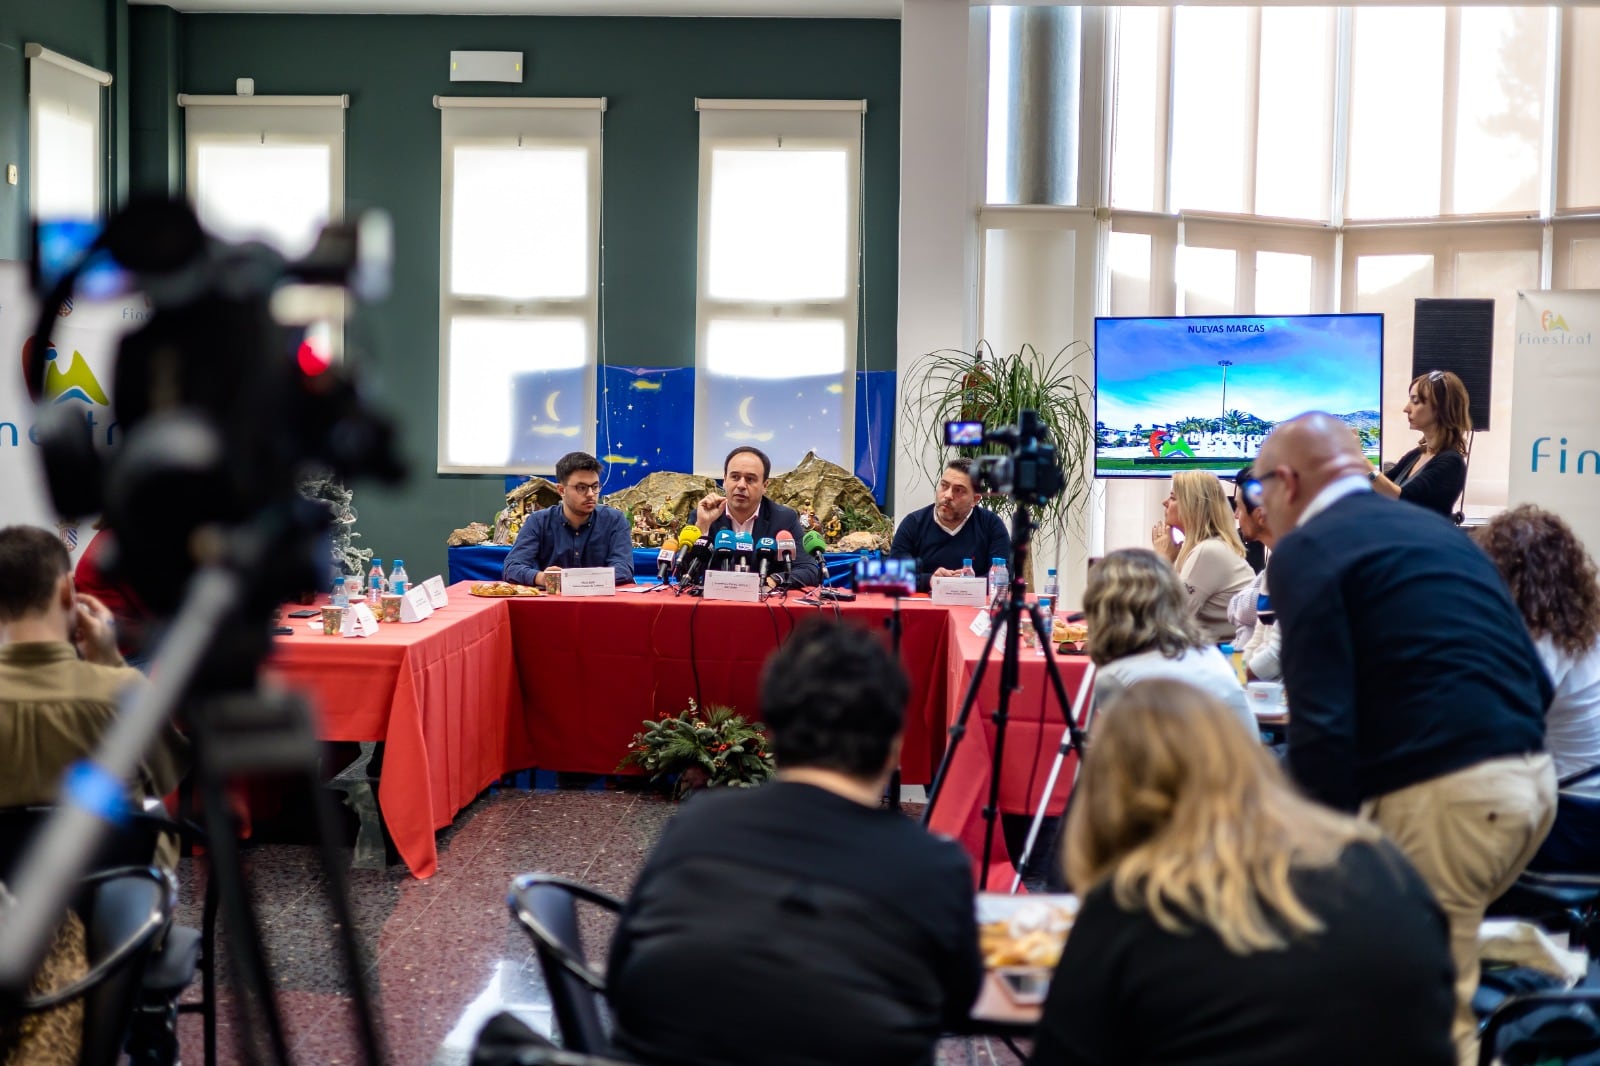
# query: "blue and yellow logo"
{"points": [[76, 382]]}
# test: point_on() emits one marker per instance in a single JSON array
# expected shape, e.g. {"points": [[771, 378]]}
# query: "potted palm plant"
{"points": [[954, 385]]}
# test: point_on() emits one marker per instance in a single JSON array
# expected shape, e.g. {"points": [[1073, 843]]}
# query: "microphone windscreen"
{"points": [[813, 542], [725, 540], [785, 544], [744, 542], [766, 544], [688, 535], [669, 547]]}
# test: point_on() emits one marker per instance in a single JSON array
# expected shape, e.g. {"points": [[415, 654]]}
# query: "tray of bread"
{"points": [[502, 588], [1073, 633], [1021, 938]]}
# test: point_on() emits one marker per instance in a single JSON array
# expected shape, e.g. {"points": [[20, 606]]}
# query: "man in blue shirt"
{"points": [[951, 529], [579, 533]]}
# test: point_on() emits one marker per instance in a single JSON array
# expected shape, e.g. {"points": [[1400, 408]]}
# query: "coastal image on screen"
{"points": [[1202, 393]]}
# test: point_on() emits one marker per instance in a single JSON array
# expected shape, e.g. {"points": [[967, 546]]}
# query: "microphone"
{"points": [[785, 549], [744, 545], [722, 555], [664, 557], [694, 563], [816, 547], [766, 552], [687, 536]]}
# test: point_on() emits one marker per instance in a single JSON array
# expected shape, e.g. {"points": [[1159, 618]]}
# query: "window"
{"points": [[266, 168], [778, 299], [65, 160], [519, 281]]}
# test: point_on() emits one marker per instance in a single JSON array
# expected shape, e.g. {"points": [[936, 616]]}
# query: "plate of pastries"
{"points": [[1074, 633], [1021, 938], [502, 588]]}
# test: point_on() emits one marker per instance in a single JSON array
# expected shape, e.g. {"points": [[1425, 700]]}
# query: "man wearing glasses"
{"points": [[579, 533]]}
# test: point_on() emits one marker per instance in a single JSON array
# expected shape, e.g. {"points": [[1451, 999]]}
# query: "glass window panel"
{"points": [[1294, 141], [1583, 266], [520, 222], [1136, 152], [1283, 283], [68, 166], [1580, 111], [780, 224], [487, 357], [1206, 281], [1396, 112], [795, 348], [1500, 109], [999, 103], [1390, 285], [1210, 124], [278, 194], [1129, 259]]}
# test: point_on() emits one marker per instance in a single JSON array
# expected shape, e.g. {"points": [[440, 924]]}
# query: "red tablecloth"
{"points": [[443, 696], [1034, 733], [593, 669]]}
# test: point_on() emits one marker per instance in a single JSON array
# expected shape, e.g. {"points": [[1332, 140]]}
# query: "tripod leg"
{"points": [[1070, 738], [959, 730]]}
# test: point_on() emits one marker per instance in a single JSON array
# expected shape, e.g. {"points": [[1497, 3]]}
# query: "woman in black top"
{"points": [[1434, 473], [1229, 921]]}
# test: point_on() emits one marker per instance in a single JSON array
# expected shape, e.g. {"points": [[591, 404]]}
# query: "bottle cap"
{"points": [[966, 562], [997, 561], [1051, 572], [399, 562]]}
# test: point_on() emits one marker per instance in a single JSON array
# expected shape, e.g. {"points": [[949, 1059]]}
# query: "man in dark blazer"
{"points": [[952, 528], [743, 507], [1415, 694]]}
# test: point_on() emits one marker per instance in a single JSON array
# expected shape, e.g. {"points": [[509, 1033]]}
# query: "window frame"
{"points": [[812, 124], [59, 82], [485, 121]]}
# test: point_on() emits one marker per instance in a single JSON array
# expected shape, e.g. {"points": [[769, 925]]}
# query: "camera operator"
{"points": [[952, 528]]}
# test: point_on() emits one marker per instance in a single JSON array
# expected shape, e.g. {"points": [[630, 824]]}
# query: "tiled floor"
{"points": [[442, 954]]}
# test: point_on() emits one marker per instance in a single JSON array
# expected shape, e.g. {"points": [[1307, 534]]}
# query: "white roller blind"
{"points": [[519, 281], [778, 289], [266, 168], [66, 166]]}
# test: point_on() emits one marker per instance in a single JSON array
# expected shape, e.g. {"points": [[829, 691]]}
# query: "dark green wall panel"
{"points": [[650, 70]]}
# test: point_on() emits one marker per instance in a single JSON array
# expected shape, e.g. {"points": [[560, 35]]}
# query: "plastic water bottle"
{"points": [[1047, 620], [1051, 597], [341, 598], [966, 568], [375, 582], [397, 578], [999, 578]]}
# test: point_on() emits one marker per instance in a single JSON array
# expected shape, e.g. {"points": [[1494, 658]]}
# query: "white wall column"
{"points": [[943, 110]]}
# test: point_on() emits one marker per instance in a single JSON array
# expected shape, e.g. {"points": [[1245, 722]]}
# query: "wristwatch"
{"points": [[1373, 476]]}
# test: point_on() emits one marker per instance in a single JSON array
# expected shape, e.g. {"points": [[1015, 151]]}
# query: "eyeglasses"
{"points": [[592, 489]]}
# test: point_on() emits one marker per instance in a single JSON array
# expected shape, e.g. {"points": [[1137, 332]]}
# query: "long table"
{"points": [[442, 695], [488, 686]]}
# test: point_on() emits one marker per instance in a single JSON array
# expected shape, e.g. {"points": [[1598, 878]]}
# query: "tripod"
{"points": [[1012, 604], [207, 664]]}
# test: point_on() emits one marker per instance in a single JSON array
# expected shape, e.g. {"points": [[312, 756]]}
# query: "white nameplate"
{"points": [[416, 606], [359, 621], [980, 623], [727, 585], [960, 591], [589, 581], [436, 593]]}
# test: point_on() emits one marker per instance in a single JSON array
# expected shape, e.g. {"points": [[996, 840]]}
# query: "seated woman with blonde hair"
{"points": [[1140, 628], [1211, 558], [1226, 919]]}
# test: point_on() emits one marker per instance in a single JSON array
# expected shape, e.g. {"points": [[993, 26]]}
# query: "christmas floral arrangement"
{"points": [[701, 749]]}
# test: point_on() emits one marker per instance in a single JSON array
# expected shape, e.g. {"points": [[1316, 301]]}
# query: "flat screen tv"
{"points": [[1202, 392]]}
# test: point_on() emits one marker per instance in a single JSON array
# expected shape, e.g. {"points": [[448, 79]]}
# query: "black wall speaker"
{"points": [[1458, 336]]}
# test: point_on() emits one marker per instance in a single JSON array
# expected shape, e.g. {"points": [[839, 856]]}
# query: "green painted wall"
{"points": [[155, 151], [82, 29], [650, 69]]}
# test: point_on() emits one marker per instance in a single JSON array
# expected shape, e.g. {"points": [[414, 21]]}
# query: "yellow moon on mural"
{"points": [[550, 406], [744, 411]]}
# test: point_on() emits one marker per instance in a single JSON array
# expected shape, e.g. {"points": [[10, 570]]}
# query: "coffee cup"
{"points": [[389, 604], [332, 621], [1266, 697]]}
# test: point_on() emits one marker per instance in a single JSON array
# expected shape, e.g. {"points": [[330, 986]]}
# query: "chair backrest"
{"points": [[1542, 1027], [111, 912], [547, 907]]}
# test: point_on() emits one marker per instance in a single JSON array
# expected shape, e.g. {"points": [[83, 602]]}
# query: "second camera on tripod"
{"points": [[1027, 470]]}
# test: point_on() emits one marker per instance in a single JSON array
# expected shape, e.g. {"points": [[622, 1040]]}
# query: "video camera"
{"points": [[221, 404], [1030, 473]]}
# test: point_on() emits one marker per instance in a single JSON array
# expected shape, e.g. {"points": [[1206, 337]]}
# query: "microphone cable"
{"points": [[694, 659]]}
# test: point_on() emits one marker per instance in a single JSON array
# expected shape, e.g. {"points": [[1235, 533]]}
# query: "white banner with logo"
{"points": [[1555, 394], [77, 373]]}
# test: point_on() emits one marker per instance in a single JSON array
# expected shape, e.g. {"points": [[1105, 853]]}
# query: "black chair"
{"points": [[505, 1040], [137, 1003], [1571, 1029], [546, 906], [1561, 889]]}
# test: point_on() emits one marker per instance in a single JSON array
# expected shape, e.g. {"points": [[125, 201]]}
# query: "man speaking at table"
{"points": [[743, 507], [579, 533], [951, 529]]}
